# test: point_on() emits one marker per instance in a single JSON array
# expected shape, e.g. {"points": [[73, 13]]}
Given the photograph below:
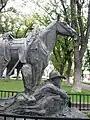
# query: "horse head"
{"points": [[49, 34], [65, 30]]}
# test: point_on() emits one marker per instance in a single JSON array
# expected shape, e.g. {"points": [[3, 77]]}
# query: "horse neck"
{"points": [[49, 37]]}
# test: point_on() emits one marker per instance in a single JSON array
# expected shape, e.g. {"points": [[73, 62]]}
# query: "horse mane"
{"points": [[47, 29]]}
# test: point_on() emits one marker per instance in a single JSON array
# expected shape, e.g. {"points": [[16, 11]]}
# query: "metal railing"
{"points": [[7, 93], [80, 101]]}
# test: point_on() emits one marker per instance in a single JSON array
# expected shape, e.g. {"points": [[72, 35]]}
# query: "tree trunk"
{"points": [[77, 64], [77, 69], [69, 71], [62, 67], [78, 54]]}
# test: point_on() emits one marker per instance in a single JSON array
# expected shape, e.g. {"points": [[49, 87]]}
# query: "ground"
{"points": [[85, 86]]}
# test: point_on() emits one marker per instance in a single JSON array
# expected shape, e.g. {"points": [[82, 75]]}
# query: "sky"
{"points": [[29, 7], [26, 7]]}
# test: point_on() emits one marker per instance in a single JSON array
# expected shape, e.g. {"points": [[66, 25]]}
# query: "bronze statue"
{"points": [[37, 53], [38, 100], [32, 51], [12, 52]]}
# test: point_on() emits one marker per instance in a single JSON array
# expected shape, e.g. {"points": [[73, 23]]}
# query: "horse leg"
{"points": [[17, 77], [38, 72], [9, 68], [19, 66], [27, 78], [17, 74], [7, 71], [3, 65]]}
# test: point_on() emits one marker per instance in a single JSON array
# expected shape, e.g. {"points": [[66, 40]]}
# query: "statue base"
{"points": [[52, 106]]}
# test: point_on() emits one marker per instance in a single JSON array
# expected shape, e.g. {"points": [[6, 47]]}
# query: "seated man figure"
{"points": [[52, 86], [50, 98], [46, 100]]}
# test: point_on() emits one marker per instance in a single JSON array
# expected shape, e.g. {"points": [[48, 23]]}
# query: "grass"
{"points": [[8, 84], [86, 83], [69, 89], [17, 85], [84, 99]]}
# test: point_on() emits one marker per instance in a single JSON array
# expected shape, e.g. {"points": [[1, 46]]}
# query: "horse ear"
{"points": [[58, 17]]}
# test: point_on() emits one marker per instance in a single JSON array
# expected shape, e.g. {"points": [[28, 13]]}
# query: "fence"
{"points": [[80, 101], [4, 93]]}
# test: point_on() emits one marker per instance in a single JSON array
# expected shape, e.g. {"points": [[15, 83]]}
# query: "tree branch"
{"points": [[73, 15], [88, 23], [65, 12], [3, 4], [79, 7], [85, 39]]}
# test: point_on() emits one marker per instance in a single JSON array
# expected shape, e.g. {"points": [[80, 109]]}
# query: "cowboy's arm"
{"points": [[60, 92]]}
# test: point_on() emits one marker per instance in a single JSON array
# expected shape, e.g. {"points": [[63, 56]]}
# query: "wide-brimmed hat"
{"points": [[54, 74]]}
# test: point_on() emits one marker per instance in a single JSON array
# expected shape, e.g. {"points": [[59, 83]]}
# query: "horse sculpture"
{"points": [[32, 51], [8, 38], [11, 50], [37, 53]]}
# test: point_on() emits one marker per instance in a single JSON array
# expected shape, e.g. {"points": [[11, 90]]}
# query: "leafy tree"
{"points": [[17, 24], [61, 55], [73, 14], [80, 45]]}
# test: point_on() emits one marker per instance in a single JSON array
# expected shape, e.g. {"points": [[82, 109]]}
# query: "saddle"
{"points": [[5, 50]]}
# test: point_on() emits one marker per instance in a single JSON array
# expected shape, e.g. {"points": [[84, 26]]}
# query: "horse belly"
{"points": [[14, 55], [13, 61]]}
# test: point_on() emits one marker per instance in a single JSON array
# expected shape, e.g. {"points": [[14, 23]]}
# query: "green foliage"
{"points": [[88, 115], [19, 25], [86, 61], [42, 20], [9, 22], [58, 55], [62, 54]]}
